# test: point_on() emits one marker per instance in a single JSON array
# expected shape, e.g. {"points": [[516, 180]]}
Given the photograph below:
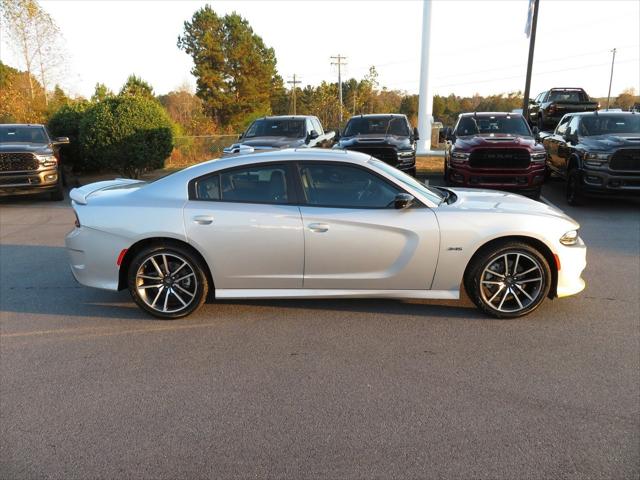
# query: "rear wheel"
{"points": [[574, 191], [540, 122], [508, 280], [167, 281]]}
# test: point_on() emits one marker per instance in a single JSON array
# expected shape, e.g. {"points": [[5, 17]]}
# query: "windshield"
{"points": [[377, 126], [432, 194], [609, 124], [22, 134], [487, 124], [276, 128], [572, 96]]}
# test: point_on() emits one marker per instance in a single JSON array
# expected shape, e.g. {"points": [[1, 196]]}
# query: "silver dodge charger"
{"points": [[318, 224]]}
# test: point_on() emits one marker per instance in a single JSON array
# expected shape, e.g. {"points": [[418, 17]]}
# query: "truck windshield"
{"points": [[609, 124], [22, 134], [377, 126], [276, 128], [572, 96], [488, 124]]}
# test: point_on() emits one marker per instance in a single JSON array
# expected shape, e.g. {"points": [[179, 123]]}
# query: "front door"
{"points": [[355, 239], [243, 223]]}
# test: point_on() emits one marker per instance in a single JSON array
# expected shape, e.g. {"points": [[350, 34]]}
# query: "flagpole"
{"points": [[532, 44]]}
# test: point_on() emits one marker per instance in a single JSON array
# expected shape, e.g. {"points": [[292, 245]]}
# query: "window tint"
{"points": [[22, 134], [293, 128], [562, 126], [573, 125], [345, 186], [263, 184], [567, 96], [487, 124], [316, 126]]}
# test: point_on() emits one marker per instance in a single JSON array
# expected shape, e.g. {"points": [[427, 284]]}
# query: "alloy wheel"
{"points": [[512, 282], [166, 282]]}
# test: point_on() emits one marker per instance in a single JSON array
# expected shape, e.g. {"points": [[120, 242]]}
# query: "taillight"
{"points": [[77, 222]]}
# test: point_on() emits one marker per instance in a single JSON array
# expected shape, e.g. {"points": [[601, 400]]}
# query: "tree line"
{"points": [[237, 81]]}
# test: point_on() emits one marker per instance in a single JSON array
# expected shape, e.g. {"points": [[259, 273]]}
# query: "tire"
{"points": [[58, 194], [536, 194], [412, 172], [445, 175], [540, 122], [171, 299], [574, 191], [485, 288]]}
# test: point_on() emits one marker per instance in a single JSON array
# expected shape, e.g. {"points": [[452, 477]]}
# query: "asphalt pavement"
{"points": [[90, 387]]}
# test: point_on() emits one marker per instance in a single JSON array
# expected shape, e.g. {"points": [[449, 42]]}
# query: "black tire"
{"points": [[481, 284], [574, 190], [445, 175], [175, 254], [536, 194], [413, 172], [540, 122]]}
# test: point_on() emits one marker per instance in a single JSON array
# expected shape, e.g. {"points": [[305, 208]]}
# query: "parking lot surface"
{"points": [[91, 387]]}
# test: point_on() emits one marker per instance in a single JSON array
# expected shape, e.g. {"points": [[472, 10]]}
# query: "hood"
{"points": [[272, 142], [497, 140], [107, 188], [37, 148], [478, 200], [375, 140], [611, 142]]}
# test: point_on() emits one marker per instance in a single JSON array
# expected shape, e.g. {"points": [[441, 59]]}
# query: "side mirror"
{"points": [[61, 140], [240, 136], [403, 200], [336, 136], [416, 135], [313, 135]]}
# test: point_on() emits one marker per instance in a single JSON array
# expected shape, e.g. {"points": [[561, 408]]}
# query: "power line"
{"points": [[339, 62], [294, 82]]}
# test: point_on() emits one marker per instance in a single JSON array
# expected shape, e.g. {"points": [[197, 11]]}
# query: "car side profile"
{"points": [[318, 223]]}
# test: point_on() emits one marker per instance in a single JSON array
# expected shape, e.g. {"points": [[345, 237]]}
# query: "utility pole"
{"points": [[294, 82], [339, 62], [531, 31], [613, 60]]}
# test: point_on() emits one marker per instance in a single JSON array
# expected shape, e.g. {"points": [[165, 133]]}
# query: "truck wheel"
{"points": [[540, 122], [574, 191], [58, 194], [536, 194]]}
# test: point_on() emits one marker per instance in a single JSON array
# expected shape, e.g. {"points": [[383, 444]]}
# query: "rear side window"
{"points": [[261, 184]]}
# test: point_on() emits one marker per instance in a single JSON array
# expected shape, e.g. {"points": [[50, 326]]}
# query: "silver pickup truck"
{"points": [[279, 132]]}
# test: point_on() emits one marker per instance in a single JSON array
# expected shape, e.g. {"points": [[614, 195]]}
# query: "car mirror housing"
{"points": [[61, 140], [313, 134], [403, 200], [416, 135]]}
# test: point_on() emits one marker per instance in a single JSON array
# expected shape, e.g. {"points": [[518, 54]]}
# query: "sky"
{"points": [[478, 46]]}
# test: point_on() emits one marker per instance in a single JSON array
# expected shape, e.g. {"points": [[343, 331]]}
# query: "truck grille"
{"points": [[503, 158], [18, 162], [386, 154], [626, 159]]}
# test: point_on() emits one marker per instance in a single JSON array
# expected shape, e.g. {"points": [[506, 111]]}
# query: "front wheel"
{"points": [[167, 281], [508, 280], [575, 195]]}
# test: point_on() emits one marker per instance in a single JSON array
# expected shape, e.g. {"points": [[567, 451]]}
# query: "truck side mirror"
{"points": [[416, 135], [61, 140], [313, 135]]}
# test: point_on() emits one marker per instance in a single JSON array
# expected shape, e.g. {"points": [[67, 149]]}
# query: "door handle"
{"points": [[318, 227], [203, 219]]}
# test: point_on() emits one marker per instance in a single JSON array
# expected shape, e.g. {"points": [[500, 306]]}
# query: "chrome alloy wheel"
{"points": [[511, 282], [166, 282]]}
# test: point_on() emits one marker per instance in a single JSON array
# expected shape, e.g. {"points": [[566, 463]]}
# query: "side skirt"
{"points": [[323, 293]]}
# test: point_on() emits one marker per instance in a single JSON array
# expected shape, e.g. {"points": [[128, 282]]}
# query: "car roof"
{"points": [[21, 125], [600, 112], [379, 115], [286, 117], [490, 114]]}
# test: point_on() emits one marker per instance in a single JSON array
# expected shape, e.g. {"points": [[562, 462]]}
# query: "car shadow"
{"points": [[26, 287]]}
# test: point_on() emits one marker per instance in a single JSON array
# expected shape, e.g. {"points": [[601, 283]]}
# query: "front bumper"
{"points": [[602, 181], [530, 179], [573, 261], [36, 181]]}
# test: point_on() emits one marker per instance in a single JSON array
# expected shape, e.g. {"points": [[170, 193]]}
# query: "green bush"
{"points": [[66, 123], [127, 134]]}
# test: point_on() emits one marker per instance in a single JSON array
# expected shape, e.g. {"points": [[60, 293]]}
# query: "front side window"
{"points": [[261, 184], [316, 126], [562, 126], [345, 186]]}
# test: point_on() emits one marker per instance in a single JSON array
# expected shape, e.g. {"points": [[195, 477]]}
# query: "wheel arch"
{"points": [[531, 241], [133, 250]]}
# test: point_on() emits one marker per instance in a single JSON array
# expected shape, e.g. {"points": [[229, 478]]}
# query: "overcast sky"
{"points": [[479, 46]]}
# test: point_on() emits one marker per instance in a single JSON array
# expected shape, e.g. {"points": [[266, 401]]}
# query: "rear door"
{"points": [[245, 222], [355, 239]]}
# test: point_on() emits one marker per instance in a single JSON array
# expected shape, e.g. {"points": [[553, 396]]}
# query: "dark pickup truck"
{"points": [[30, 161], [546, 110], [494, 150], [278, 132], [597, 153], [387, 137]]}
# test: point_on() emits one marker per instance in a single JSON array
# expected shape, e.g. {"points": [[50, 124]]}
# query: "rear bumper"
{"points": [[18, 183], [530, 179]]}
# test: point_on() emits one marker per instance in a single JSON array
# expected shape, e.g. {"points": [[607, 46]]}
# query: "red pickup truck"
{"points": [[494, 150]]}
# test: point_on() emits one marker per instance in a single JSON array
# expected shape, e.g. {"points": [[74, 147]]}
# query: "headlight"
{"points": [[538, 157], [569, 238], [406, 154], [596, 159], [460, 156], [47, 160]]}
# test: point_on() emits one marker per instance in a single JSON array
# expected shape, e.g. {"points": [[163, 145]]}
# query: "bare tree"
{"points": [[36, 39]]}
